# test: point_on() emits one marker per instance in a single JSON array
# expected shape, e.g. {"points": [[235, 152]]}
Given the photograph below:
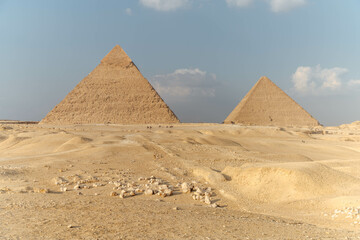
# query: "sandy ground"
{"points": [[268, 182]]}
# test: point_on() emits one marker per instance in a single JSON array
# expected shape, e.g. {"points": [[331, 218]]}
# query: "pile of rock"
{"points": [[126, 187], [77, 181], [5, 190], [351, 213], [199, 193], [148, 186]]}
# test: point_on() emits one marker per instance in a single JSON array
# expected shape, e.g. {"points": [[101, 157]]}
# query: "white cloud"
{"points": [[238, 3], [331, 77], [354, 83], [285, 5], [315, 80], [186, 82], [128, 11], [275, 5], [164, 5]]}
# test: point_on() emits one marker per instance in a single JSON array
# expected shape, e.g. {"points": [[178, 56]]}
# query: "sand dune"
{"points": [[286, 182], [283, 182]]}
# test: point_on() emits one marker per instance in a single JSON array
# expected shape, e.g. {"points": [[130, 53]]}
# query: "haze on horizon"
{"points": [[201, 56]]}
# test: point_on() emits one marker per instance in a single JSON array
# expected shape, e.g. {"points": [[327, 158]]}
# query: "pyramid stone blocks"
{"points": [[114, 92], [266, 104]]}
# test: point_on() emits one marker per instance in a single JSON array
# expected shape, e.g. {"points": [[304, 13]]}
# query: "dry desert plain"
{"points": [[210, 181]]}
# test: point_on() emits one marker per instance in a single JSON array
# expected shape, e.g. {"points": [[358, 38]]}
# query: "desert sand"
{"points": [[250, 182]]}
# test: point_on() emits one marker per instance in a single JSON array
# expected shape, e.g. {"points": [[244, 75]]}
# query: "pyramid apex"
{"points": [[117, 56], [264, 78]]}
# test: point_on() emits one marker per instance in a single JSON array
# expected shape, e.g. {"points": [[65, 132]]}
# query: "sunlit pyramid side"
{"points": [[266, 104], [114, 92]]}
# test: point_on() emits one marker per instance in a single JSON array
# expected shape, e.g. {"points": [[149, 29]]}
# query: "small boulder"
{"points": [[149, 192]]}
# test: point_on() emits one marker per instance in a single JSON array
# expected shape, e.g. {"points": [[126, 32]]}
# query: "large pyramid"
{"points": [[114, 92], [266, 104]]}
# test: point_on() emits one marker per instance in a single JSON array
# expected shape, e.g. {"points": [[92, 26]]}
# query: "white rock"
{"points": [[63, 189], [186, 188], [207, 200], [168, 192], [214, 205], [149, 192], [122, 194], [199, 191]]}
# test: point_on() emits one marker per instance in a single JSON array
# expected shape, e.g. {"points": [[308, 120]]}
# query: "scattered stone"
{"points": [[186, 187], [60, 181], [168, 192], [41, 190], [176, 208], [132, 193], [113, 194], [139, 191], [199, 191], [214, 205], [122, 194], [346, 213], [98, 185], [63, 189], [149, 192]]}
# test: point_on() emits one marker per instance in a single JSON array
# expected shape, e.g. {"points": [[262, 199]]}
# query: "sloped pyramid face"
{"points": [[114, 92], [266, 104]]}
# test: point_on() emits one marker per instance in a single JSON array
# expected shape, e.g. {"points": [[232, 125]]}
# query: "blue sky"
{"points": [[202, 56]]}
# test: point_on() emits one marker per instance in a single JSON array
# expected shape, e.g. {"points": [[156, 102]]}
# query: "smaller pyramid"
{"points": [[266, 104], [114, 92]]}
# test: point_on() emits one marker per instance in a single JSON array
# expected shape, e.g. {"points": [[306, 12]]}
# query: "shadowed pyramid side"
{"points": [[267, 104], [114, 92]]}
